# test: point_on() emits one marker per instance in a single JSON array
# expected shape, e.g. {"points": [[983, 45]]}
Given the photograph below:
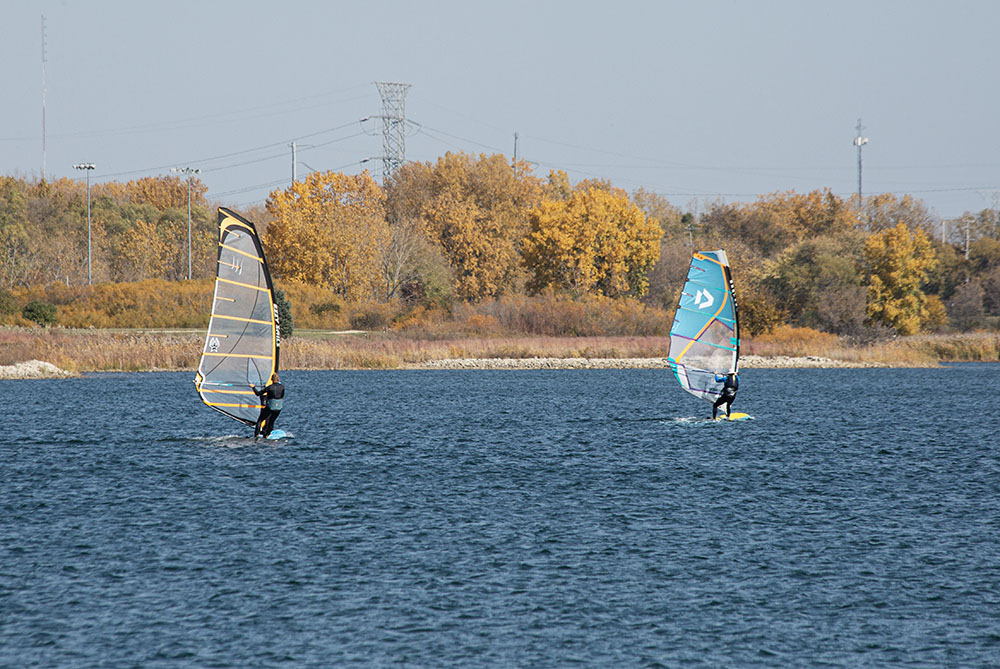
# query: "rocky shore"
{"points": [[37, 369], [746, 362], [33, 369]]}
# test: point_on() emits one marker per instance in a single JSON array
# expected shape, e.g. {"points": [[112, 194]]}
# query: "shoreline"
{"points": [[38, 369], [746, 362], [85, 351]]}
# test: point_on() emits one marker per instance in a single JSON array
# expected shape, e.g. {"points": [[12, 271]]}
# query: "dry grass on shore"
{"points": [[104, 350], [915, 351]]}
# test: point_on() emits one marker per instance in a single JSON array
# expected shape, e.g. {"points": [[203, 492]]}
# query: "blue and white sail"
{"points": [[705, 337]]}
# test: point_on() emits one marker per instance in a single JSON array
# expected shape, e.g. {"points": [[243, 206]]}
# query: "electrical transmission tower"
{"points": [[393, 125]]}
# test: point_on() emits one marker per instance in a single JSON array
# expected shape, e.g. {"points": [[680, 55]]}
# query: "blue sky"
{"points": [[698, 101]]}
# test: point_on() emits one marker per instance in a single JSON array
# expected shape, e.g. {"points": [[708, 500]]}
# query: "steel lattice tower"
{"points": [[393, 125]]}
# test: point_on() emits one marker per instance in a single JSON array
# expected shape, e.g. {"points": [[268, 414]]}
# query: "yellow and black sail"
{"points": [[243, 340]]}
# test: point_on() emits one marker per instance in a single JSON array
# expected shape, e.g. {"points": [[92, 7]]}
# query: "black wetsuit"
{"points": [[273, 396], [729, 389]]}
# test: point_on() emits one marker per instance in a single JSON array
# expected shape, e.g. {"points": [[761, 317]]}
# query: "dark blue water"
{"points": [[542, 519]]}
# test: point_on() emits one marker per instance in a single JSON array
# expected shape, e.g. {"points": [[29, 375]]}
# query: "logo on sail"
{"points": [[213, 345], [703, 299], [277, 324]]}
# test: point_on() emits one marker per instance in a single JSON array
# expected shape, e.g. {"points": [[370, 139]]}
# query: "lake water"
{"points": [[524, 518]]}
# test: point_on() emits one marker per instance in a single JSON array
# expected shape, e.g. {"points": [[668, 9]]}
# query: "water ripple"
{"points": [[545, 518]]}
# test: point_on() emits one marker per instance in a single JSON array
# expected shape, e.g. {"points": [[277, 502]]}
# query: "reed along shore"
{"points": [[80, 351]]}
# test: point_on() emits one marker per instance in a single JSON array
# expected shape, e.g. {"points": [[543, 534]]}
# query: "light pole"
{"points": [[188, 171], [87, 167]]}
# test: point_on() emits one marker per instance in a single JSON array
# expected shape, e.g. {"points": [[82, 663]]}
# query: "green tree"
{"points": [[8, 305], [40, 312], [819, 283], [286, 325]]}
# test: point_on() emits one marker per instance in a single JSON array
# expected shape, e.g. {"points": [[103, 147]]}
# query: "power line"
{"points": [[196, 121], [236, 153], [430, 132], [282, 154], [271, 184]]}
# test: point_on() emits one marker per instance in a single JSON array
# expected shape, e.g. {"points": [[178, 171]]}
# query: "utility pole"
{"points": [[293, 162], [87, 167], [188, 171], [859, 141], [393, 126], [515, 147]]}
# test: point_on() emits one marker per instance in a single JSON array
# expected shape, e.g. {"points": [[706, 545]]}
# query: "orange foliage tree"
{"points": [[143, 253], [475, 210], [900, 260], [164, 192], [328, 230], [594, 241]]}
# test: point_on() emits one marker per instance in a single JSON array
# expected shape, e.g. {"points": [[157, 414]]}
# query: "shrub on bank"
{"points": [[40, 312], [8, 305]]}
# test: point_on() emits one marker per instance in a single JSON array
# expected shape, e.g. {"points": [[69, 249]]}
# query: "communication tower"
{"points": [[859, 141]]}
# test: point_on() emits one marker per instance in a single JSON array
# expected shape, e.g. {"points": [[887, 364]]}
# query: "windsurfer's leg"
{"points": [[260, 424], [715, 407], [272, 416]]}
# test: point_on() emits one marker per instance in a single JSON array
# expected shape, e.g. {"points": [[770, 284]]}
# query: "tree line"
{"points": [[472, 228]]}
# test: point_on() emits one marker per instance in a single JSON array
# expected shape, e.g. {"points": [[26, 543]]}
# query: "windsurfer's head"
{"points": [[274, 378]]}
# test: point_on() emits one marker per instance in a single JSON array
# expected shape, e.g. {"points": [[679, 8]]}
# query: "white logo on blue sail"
{"points": [[213, 345], [703, 295]]}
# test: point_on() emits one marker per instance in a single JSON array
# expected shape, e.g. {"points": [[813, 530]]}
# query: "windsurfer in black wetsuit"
{"points": [[729, 388], [272, 396]]}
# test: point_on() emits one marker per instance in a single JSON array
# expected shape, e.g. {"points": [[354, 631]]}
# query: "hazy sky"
{"points": [[693, 100]]}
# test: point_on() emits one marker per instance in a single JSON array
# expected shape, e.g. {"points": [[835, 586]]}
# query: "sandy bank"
{"points": [[33, 369], [746, 362]]}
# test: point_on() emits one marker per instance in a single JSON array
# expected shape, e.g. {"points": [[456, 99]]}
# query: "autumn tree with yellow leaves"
{"points": [[900, 259], [329, 230], [143, 253], [593, 241], [162, 192], [474, 209]]}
